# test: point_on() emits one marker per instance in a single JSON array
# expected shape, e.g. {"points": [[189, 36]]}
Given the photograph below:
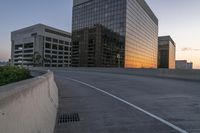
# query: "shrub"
{"points": [[9, 74]]}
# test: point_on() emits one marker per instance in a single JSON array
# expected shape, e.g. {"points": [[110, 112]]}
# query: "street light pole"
{"points": [[118, 57]]}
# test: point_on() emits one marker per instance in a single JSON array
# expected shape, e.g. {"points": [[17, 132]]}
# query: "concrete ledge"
{"points": [[192, 75], [29, 106]]}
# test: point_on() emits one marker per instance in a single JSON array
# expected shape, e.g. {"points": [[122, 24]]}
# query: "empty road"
{"points": [[119, 103]]}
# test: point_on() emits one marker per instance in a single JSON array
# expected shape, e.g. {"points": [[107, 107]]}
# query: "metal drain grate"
{"points": [[68, 118]]}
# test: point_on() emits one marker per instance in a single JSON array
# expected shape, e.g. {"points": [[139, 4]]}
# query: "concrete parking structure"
{"points": [[121, 103]]}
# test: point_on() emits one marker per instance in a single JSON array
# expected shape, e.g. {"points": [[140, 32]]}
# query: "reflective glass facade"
{"points": [[108, 13], [166, 52], [113, 33], [141, 36]]}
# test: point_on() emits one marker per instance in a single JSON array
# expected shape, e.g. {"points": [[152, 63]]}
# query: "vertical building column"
{"points": [[12, 52], [23, 54], [98, 47]]}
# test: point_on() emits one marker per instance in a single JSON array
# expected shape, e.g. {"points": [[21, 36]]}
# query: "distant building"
{"points": [[41, 45], [166, 52], [114, 33], [190, 65], [183, 64], [2, 63]]}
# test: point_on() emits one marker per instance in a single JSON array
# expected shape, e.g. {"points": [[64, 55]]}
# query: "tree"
{"points": [[8, 63], [36, 59]]}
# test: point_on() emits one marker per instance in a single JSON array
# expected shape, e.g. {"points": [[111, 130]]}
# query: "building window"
{"points": [[54, 47], [60, 47], [61, 42], [47, 51], [28, 45], [66, 43], [48, 45], [54, 52], [66, 48], [48, 39], [55, 40]]}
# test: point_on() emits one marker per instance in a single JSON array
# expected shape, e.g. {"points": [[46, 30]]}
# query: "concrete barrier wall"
{"points": [[193, 75], [29, 106]]}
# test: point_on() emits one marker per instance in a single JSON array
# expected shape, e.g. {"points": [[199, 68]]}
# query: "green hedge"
{"points": [[9, 74]]}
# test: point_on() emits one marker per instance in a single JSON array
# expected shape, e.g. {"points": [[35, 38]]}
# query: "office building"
{"points": [[184, 64], [114, 33], [166, 52], [41, 45]]}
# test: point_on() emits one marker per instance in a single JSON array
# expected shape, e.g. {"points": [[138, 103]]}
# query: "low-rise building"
{"points": [[183, 64], [41, 45], [166, 52]]}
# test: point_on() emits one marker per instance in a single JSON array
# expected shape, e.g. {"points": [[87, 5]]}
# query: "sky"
{"points": [[178, 18]]}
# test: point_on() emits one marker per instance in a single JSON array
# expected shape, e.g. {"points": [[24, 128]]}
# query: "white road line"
{"points": [[132, 105]]}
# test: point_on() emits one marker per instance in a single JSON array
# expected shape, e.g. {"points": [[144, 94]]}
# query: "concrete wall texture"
{"points": [[29, 106], [193, 75]]}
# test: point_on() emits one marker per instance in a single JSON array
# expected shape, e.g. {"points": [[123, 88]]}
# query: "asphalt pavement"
{"points": [[119, 103]]}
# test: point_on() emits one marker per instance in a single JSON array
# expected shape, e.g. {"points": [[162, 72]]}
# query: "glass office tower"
{"points": [[114, 33], [166, 52]]}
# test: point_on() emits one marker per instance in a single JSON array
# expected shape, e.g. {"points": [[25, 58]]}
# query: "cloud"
{"points": [[189, 49]]}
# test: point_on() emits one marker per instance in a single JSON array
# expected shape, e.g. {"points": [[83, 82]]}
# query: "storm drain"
{"points": [[68, 118]]}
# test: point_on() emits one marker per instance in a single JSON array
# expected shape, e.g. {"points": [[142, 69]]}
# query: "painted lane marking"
{"points": [[132, 105]]}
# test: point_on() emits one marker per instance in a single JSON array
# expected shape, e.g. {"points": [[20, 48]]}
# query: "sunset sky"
{"points": [[178, 18]]}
